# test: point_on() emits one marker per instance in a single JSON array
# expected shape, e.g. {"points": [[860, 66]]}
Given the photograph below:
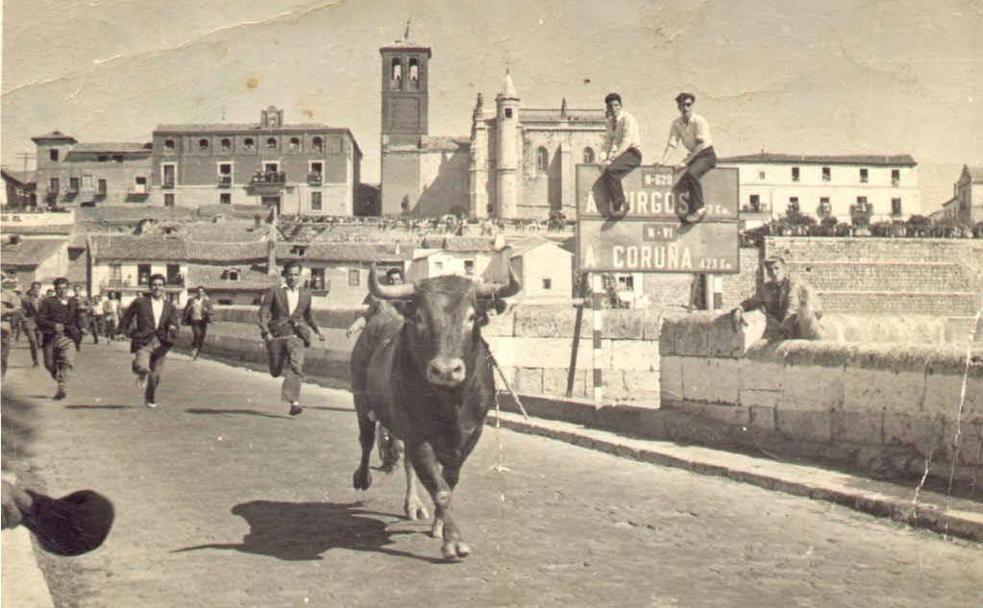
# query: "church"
{"points": [[517, 163]]}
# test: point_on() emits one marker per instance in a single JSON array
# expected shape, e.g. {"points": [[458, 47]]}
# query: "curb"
{"points": [[819, 484]]}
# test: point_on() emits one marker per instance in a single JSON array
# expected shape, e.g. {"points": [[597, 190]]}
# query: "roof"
{"points": [[57, 229], [508, 87], [251, 278], [975, 174], [174, 249], [232, 127], [339, 252], [528, 115], [111, 148], [54, 135], [30, 252], [406, 45], [131, 213], [21, 177], [226, 252], [848, 159], [460, 244], [242, 212], [235, 231]]}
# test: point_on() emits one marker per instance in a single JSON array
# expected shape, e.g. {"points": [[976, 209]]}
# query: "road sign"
{"points": [[649, 190], [639, 246], [651, 238]]}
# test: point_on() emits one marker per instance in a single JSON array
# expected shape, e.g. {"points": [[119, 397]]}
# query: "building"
{"points": [[475, 257], [70, 173], [966, 204], [34, 259], [20, 189], [517, 162], [828, 186], [544, 267], [297, 169]]}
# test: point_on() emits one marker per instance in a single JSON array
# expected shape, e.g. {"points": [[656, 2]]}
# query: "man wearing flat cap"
{"points": [[694, 132]]}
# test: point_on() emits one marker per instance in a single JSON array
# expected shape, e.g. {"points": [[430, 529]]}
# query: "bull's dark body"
{"points": [[393, 381]]}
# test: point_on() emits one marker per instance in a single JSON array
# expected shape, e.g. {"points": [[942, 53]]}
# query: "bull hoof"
{"points": [[362, 479], [437, 530], [415, 510], [454, 549]]}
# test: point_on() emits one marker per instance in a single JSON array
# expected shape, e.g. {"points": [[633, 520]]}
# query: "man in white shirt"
{"points": [[622, 153], [694, 132]]}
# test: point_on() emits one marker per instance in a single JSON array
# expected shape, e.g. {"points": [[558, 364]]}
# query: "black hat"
{"points": [[684, 96], [71, 525]]}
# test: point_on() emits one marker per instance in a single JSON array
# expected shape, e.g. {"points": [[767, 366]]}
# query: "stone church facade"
{"points": [[517, 163]]}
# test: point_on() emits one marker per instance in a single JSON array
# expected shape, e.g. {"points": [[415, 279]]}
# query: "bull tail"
{"points": [[389, 450]]}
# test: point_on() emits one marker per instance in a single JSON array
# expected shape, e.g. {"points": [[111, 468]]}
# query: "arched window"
{"points": [[169, 145], [396, 72], [271, 143], [414, 73], [588, 156], [226, 144], [318, 144], [294, 143], [542, 159], [203, 144], [249, 143]]}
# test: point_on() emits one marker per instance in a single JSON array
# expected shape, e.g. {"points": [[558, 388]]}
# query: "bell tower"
{"points": [[405, 76]]}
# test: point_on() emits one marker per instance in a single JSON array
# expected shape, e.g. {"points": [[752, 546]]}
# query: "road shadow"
{"points": [[100, 407], [237, 412], [327, 408], [303, 531]]}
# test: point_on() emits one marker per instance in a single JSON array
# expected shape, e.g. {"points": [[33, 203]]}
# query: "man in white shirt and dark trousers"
{"points": [[694, 132], [285, 324], [154, 333], [622, 153]]}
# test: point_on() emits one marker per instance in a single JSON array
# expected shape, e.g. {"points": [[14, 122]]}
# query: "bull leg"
{"points": [[413, 507], [362, 478], [425, 462]]}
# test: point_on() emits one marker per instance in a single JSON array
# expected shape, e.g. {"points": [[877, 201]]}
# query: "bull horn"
{"points": [[389, 292], [500, 290]]}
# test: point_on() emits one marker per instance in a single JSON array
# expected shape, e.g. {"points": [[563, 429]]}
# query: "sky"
{"points": [[791, 76]]}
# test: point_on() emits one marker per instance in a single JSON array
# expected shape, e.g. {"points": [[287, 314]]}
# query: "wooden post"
{"points": [[597, 319]]}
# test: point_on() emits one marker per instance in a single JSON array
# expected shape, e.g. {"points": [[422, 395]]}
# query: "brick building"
{"points": [[822, 186], [517, 162], [309, 169]]}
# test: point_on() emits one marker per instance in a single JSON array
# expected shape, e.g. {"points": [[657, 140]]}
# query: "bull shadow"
{"points": [[303, 531]]}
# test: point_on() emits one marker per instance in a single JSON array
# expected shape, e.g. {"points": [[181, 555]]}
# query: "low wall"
{"points": [[864, 400]]}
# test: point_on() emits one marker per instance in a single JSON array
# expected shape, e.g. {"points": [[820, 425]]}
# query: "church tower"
{"points": [[405, 77], [507, 150]]}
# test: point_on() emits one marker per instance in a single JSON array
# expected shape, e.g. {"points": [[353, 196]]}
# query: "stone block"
{"points": [[623, 324], [761, 417], [555, 381], [652, 324], [973, 406], [671, 378], [970, 452], [550, 322], [759, 398], [642, 386], [810, 425], [711, 380], [923, 433], [499, 325], [529, 380], [812, 387], [870, 389], [723, 340], [865, 426], [760, 375], [543, 352], [691, 339], [942, 390], [727, 414], [632, 355]]}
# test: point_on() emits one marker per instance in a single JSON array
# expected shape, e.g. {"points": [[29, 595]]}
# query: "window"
{"points": [[793, 204], [54, 185], [895, 207], [168, 179], [271, 143], [232, 274], [228, 302], [318, 144], [271, 167], [226, 144], [547, 284], [795, 174], [225, 169], [861, 201], [103, 187], [588, 156], [73, 184], [168, 199], [895, 177], [115, 274], [294, 143], [353, 277], [827, 175], [508, 112], [469, 267], [317, 168], [414, 69], [203, 144], [102, 158], [173, 274], [143, 274], [317, 278], [542, 159], [249, 143], [225, 198], [863, 176], [438, 266], [117, 158], [761, 175], [626, 282], [169, 145], [53, 154], [396, 71], [825, 209], [315, 201], [755, 201]]}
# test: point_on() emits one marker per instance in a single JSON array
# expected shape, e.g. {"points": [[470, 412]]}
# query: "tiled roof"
{"points": [[236, 231], [848, 159], [131, 213], [242, 212], [14, 228], [459, 244], [129, 247], [526, 245], [53, 135], [210, 277], [225, 252], [111, 148], [29, 252], [21, 177], [339, 252]]}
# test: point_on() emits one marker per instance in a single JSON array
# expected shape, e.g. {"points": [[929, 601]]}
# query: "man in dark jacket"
{"points": [[29, 320], [198, 314], [151, 323], [61, 322], [286, 324]]}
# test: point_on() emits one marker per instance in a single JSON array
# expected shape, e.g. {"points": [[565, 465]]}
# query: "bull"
{"points": [[425, 373]]}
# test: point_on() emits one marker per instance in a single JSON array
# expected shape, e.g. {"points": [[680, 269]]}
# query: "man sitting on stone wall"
{"points": [[791, 307]]}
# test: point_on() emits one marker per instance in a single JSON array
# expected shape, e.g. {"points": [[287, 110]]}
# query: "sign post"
{"points": [[651, 238]]}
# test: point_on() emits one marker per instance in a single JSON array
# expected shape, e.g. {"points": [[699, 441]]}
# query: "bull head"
{"points": [[443, 317]]}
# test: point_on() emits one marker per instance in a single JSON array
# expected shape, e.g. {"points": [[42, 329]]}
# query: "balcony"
{"points": [[168, 184], [270, 183], [72, 189], [314, 179], [224, 181]]}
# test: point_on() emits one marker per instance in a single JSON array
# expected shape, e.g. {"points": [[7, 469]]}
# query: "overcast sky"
{"points": [[867, 76]]}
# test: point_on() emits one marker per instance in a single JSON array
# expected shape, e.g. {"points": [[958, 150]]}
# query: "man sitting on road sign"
{"points": [[622, 153], [791, 306], [694, 131]]}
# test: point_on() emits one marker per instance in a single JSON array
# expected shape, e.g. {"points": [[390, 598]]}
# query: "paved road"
{"points": [[223, 500]]}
